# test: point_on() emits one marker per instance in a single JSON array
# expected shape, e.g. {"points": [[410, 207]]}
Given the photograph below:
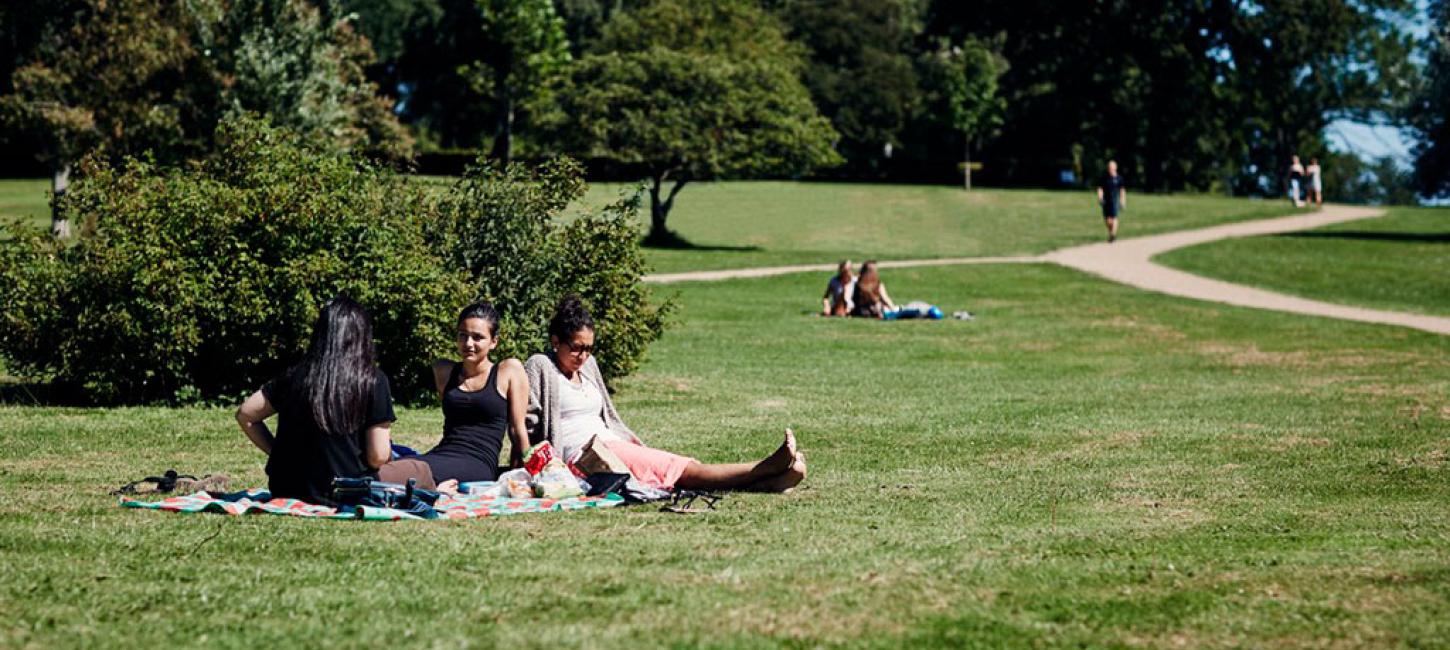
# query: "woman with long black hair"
{"points": [[334, 410]]}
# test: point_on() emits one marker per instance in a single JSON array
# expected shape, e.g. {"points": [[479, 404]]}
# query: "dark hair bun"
{"points": [[482, 310], [570, 317]]}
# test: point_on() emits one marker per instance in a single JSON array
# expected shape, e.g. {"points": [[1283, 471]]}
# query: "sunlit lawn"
{"points": [[1082, 465], [1399, 262]]}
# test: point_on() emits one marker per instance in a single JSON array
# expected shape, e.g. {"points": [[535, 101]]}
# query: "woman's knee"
{"points": [[402, 469]]}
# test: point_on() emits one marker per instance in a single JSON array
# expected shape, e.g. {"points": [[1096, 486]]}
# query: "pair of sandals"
{"points": [[170, 481], [682, 502]]}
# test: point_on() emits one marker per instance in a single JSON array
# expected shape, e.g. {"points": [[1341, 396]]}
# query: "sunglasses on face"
{"points": [[578, 349]]}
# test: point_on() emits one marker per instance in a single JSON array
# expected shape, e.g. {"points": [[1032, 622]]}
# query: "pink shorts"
{"points": [[653, 467]]}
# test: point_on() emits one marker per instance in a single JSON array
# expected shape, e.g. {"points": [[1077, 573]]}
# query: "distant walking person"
{"points": [[1113, 197], [1296, 179], [1316, 182]]}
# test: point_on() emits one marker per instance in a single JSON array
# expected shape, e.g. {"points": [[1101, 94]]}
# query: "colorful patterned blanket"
{"points": [[463, 506]]}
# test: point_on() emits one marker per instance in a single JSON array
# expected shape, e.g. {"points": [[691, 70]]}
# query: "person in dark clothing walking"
{"points": [[1113, 197]]}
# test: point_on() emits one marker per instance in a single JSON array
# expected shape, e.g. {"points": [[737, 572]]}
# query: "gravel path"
{"points": [[1128, 261]]}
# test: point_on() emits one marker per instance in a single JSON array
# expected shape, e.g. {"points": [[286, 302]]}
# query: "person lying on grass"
{"points": [[871, 299], [334, 410], [481, 400], [570, 407]]}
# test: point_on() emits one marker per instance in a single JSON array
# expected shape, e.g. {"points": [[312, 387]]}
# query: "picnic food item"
{"points": [[555, 481], [517, 483], [539, 456]]}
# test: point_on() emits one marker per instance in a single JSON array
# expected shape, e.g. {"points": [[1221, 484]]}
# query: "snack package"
{"points": [[539, 456], [516, 483], [555, 481]]}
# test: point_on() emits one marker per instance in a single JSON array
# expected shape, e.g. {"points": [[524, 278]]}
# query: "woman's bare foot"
{"points": [[781, 459], [786, 480], [449, 487]]}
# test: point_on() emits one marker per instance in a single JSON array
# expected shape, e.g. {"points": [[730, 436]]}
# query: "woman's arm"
{"points": [[885, 297], [250, 416], [442, 369], [517, 390], [379, 441]]}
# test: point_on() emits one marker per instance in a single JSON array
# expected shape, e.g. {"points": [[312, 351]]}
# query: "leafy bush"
{"points": [[506, 228], [206, 282]]}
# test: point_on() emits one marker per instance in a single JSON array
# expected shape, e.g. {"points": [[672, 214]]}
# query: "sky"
{"points": [[1369, 142]]}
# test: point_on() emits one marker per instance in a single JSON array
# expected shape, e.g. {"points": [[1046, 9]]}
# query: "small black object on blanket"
{"points": [[170, 481]]}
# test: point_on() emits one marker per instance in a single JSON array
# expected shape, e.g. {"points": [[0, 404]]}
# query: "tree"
{"points": [[1429, 114], [524, 46], [114, 73], [679, 117], [302, 66], [690, 91], [861, 70], [138, 77], [970, 74]]}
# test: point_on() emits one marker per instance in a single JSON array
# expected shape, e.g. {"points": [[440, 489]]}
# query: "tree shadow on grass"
{"points": [[670, 240], [1364, 235], [40, 394]]}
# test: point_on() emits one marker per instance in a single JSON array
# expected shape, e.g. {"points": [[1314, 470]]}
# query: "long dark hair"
{"points": [[337, 378], [570, 316]]}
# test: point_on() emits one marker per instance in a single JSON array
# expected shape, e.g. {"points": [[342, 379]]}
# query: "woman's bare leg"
{"points": [[724, 476]]}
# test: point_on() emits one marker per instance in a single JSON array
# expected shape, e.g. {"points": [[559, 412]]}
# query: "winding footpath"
{"points": [[1129, 261]]}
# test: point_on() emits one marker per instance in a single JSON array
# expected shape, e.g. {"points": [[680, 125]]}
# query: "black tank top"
{"points": [[474, 423]]}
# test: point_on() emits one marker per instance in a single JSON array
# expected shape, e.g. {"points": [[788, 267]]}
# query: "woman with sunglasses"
{"points": [[570, 406]]}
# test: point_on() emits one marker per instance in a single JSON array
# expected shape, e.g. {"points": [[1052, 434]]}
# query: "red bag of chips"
{"points": [[538, 457]]}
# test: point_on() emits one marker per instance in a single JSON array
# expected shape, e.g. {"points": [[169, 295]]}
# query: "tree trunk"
{"points": [[59, 183], [967, 166], [504, 134], [659, 210]]}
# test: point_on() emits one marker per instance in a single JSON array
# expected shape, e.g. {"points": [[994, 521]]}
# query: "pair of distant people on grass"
{"points": [[851, 295], [334, 413], [1306, 184]]}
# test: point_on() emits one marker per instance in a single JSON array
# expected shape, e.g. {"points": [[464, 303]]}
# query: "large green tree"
{"points": [[302, 65], [1193, 94], [523, 45], [969, 76], [861, 70], [112, 72], [690, 91], [1429, 113], [139, 76]]}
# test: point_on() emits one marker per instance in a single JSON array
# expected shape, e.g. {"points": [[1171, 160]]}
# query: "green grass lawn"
{"points": [[1398, 262], [744, 224], [1082, 465], [26, 199]]}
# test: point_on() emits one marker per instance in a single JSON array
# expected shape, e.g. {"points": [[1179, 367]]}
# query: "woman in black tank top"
{"points": [[481, 401], [474, 422]]}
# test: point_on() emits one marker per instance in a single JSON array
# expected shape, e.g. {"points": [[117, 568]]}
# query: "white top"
{"points": [[845, 294], [581, 409]]}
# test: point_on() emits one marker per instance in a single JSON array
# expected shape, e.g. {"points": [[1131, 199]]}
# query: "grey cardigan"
{"points": [[543, 413]]}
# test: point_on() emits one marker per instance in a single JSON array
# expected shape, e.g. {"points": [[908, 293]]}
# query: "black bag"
{"points": [[355, 492]]}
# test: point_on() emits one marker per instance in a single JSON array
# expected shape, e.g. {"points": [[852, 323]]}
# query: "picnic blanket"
{"points": [[462, 506]]}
